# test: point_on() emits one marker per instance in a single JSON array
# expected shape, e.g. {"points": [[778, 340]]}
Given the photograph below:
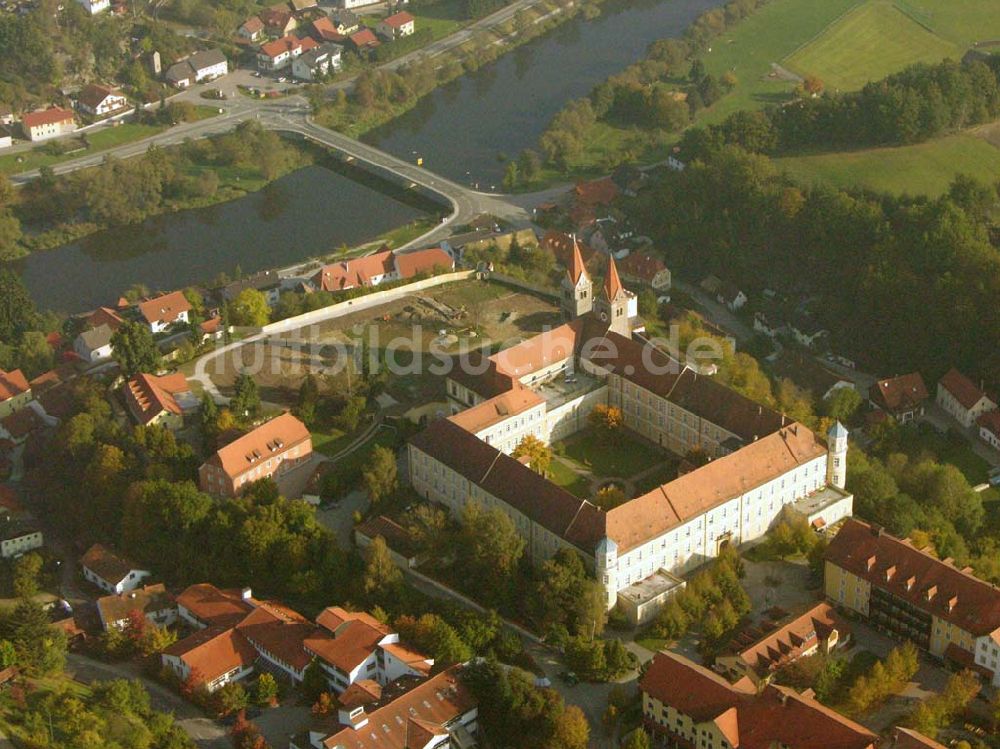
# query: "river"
{"points": [[459, 130], [505, 106], [303, 214]]}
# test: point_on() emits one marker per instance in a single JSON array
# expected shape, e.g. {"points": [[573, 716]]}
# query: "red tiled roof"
{"points": [[48, 116], [280, 46], [214, 651], [356, 272], [899, 393], [252, 25], [409, 264], [497, 409], [576, 268], [596, 192], [962, 388], [788, 642], [327, 30], [539, 351], [275, 436], [413, 659], [364, 38], [397, 20], [212, 606], [279, 632], [955, 596], [348, 647], [104, 316], [434, 703], [562, 246], [147, 396], [990, 421], [164, 309], [333, 617], [148, 599], [612, 283], [360, 693], [750, 720], [12, 384], [642, 266]]}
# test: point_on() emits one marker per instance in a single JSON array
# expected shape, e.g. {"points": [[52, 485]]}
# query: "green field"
{"points": [[924, 169], [102, 140], [869, 43]]}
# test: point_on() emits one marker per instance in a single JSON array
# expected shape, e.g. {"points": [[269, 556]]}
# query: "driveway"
{"points": [[340, 517], [206, 732]]}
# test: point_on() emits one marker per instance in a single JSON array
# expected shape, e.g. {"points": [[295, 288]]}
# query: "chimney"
{"points": [[246, 594]]}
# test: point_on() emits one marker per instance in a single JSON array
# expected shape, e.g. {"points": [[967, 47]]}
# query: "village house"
{"points": [[165, 311], [806, 330], [93, 7], [962, 398], [336, 27], [686, 704], [252, 29], [989, 428], [267, 282], [643, 268], [48, 123], [725, 293], [912, 595], [437, 713], [6, 138], [7, 115], [201, 66], [234, 630], [159, 400], [111, 572], [382, 267], [100, 100], [93, 344], [152, 601], [317, 62], [18, 536], [396, 26], [364, 41], [270, 450], [761, 463], [901, 397], [278, 20], [278, 55], [15, 392], [819, 630]]}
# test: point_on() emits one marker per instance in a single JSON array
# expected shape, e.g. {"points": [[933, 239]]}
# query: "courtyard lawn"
{"points": [[923, 169], [868, 44], [562, 475], [620, 455]]}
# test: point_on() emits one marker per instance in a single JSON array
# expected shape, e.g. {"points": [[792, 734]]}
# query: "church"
{"points": [[758, 462]]}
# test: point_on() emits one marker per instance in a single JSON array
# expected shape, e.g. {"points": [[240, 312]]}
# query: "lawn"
{"points": [[950, 448], [442, 18], [100, 140], [869, 43], [562, 475], [331, 441], [622, 456], [923, 169]]}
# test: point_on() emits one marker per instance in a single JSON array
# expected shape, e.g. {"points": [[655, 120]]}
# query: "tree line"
{"points": [[917, 104]]}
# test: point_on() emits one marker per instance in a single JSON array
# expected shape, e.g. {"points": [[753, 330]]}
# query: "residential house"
{"points": [[807, 331], [152, 601], [203, 605], [643, 268], [989, 428], [364, 41], [19, 535], [94, 344], [267, 282], [402, 549], [278, 55], [597, 192], [165, 311], [819, 630], [278, 20], [270, 450], [438, 713], [912, 595], [159, 400], [902, 397], [93, 7], [252, 29], [15, 392], [317, 62], [211, 329], [725, 293], [101, 100], [7, 115], [685, 704], [48, 123], [111, 572], [201, 66], [769, 322], [962, 398], [382, 267], [211, 658], [6, 138], [336, 27], [396, 26]]}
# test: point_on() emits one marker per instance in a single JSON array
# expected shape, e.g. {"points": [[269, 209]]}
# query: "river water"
{"points": [[459, 130], [504, 107]]}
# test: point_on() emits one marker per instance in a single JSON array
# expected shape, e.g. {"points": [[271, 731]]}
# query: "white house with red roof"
{"points": [[381, 267], [101, 100], [273, 448], [989, 428], [164, 311], [251, 29], [962, 398], [278, 55], [111, 572], [396, 26], [48, 123], [161, 400]]}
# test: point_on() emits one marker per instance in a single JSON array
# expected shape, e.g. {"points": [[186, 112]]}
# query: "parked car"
{"points": [[569, 678]]}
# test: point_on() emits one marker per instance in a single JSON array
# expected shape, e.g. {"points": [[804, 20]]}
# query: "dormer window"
{"points": [[910, 581], [889, 573], [870, 563], [931, 592]]}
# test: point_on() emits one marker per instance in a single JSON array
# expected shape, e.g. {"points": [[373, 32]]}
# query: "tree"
{"points": [[266, 691], [638, 739], [245, 403], [380, 477], [812, 85], [249, 309], [231, 698], [134, 349], [40, 648], [842, 404], [324, 705], [314, 681], [571, 729], [26, 572], [493, 549], [539, 454], [10, 235], [17, 310], [382, 577], [34, 354], [606, 418]]}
